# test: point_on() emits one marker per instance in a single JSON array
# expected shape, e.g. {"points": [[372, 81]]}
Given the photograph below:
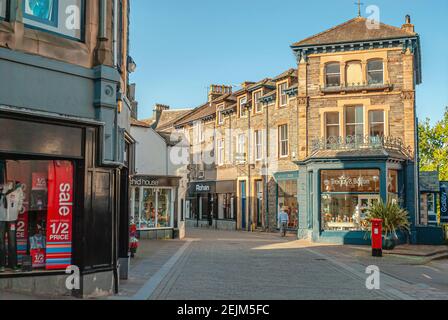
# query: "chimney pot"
{"points": [[408, 26]]}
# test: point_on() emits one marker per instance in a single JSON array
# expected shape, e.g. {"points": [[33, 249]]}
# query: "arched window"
{"points": [[375, 71], [353, 73], [333, 74]]}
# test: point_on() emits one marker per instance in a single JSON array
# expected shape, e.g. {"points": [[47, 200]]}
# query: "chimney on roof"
{"points": [[246, 84], [158, 110], [218, 90], [408, 26]]}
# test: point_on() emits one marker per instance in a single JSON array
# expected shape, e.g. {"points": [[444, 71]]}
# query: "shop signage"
{"points": [[152, 181], [202, 188], [444, 202], [60, 215], [350, 181]]}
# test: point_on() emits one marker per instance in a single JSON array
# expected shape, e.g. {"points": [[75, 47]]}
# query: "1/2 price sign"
{"points": [[60, 215]]}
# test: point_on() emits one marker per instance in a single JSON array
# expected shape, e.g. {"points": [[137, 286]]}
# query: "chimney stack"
{"points": [[408, 26], [246, 84], [158, 109], [218, 90]]}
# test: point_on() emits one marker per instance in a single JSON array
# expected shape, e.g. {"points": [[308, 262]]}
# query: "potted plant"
{"points": [[394, 218]]}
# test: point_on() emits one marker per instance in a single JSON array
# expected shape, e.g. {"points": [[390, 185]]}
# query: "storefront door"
{"points": [[243, 204], [258, 206]]}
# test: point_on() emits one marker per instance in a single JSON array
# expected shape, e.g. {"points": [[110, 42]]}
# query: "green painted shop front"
{"points": [[334, 195]]}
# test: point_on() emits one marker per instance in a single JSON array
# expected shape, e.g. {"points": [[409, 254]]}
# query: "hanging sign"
{"points": [[444, 202], [60, 215]]}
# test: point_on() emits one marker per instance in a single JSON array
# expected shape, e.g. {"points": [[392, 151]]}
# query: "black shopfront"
{"points": [[212, 204], [69, 204]]}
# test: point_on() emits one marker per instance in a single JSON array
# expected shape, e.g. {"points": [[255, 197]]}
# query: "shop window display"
{"points": [[36, 212], [346, 197], [153, 207], [287, 198]]}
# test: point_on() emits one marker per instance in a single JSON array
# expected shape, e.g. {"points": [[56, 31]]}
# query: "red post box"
{"points": [[377, 237]]}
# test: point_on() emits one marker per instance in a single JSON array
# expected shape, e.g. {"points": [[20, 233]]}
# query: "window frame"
{"points": [[258, 138], [283, 142], [220, 116], [369, 82], [240, 103], [327, 125], [54, 24], [257, 104], [355, 124], [372, 123], [7, 11], [326, 73], [241, 144], [282, 95], [220, 146]]}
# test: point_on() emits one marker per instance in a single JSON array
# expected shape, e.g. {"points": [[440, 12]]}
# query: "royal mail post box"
{"points": [[377, 237]]}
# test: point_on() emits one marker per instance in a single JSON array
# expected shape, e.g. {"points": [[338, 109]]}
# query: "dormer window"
{"points": [[242, 106], [258, 106], [333, 74], [283, 100], [220, 115], [375, 71]]}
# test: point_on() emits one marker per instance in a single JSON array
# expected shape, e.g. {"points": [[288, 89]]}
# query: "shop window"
{"points": [[354, 122], [3, 9], [346, 197], [331, 126], [63, 17], [376, 124], [257, 103], [287, 198], [375, 72], [225, 207], [353, 73], [155, 208], [242, 107], [283, 140], [36, 214], [282, 94], [333, 74]]}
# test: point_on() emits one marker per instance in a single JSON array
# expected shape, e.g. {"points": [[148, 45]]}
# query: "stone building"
{"points": [[323, 141], [65, 106]]}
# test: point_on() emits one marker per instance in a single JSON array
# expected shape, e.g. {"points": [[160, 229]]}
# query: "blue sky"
{"points": [[182, 46]]}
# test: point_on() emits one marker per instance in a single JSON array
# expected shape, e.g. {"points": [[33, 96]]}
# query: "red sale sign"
{"points": [[60, 215]]}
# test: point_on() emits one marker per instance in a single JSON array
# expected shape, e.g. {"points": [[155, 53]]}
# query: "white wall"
{"points": [[150, 152]]}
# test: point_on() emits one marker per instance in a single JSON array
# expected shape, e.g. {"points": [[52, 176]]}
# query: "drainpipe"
{"points": [[267, 168], [249, 136]]}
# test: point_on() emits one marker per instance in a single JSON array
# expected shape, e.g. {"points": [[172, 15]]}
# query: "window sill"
{"points": [[358, 88]]}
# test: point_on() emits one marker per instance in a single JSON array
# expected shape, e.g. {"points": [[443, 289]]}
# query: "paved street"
{"points": [[237, 265]]}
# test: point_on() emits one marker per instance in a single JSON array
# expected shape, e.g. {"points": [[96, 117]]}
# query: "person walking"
{"points": [[283, 218]]}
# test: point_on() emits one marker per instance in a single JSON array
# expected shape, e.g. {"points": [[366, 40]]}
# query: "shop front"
{"points": [[153, 208], [337, 195], [212, 204], [287, 197], [53, 200]]}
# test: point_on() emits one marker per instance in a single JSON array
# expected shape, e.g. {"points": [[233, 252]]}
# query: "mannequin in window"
{"points": [[11, 204]]}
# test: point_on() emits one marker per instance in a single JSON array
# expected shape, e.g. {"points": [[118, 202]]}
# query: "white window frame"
{"points": [[243, 110], [241, 144], [258, 106], [258, 137], [371, 71], [354, 123], [283, 141], [220, 115], [282, 95], [373, 123], [220, 154], [338, 125]]}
